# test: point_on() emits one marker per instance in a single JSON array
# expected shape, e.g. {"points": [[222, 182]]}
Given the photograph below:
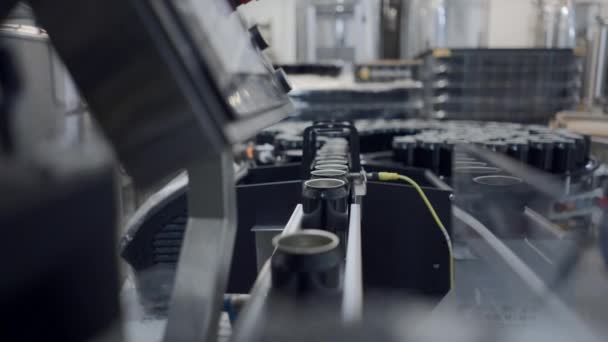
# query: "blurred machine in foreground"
{"points": [[168, 94]]}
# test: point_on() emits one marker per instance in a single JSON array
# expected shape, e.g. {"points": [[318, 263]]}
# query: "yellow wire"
{"points": [[390, 176]]}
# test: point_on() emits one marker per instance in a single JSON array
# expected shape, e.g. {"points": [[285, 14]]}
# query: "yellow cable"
{"points": [[390, 176]]}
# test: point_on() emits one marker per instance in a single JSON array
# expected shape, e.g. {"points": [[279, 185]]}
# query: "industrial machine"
{"points": [[482, 201], [270, 223]]}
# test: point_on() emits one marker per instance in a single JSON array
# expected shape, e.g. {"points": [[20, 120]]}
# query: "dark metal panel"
{"points": [[272, 174], [115, 54], [58, 230], [401, 243], [5, 7], [265, 204], [153, 89]]}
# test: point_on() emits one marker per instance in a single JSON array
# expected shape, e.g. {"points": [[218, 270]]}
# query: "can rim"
{"points": [[495, 180], [329, 173], [477, 169], [306, 242], [324, 183], [332, 167]]}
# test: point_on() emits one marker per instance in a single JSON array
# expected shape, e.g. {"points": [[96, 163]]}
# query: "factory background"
{"points": [[511, 23]]}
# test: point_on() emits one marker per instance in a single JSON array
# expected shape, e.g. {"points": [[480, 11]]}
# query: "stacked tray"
{"points": [[526, 85]]}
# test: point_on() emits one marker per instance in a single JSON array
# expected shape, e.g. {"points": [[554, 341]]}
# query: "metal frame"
{"points": [[192, 106], [204, 263]]}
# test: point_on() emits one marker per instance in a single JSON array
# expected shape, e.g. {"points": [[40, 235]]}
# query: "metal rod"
{"points": [[600, 62], [544, 223], [536, 284], [352, 295], [436, 181]]}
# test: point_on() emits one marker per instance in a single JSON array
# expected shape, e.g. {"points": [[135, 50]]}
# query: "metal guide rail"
{"points": [[345, 218], [355, 229], [317, 257], [320, 267]]}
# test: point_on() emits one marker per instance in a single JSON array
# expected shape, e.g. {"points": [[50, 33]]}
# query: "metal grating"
{"points": [[167, 242]]}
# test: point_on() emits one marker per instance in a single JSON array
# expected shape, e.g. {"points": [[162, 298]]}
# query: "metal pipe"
{"points": [[433, 179], [352, 295], [600, 62], [556, 26], [544, 223]]}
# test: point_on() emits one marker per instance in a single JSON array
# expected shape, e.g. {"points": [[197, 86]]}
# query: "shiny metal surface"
{"points": [[252, 314], [204, 262], [544, 223], [263, 243], [467, 23], [352, 297], [331, 161], [597, 79], [332, 167], [332, 30], [328, 173], [586, 13], [497, 180], [427, 24], [587, 32], [240, 75], [556, 24], [424, 26], [324, 183], [308, 241]]}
